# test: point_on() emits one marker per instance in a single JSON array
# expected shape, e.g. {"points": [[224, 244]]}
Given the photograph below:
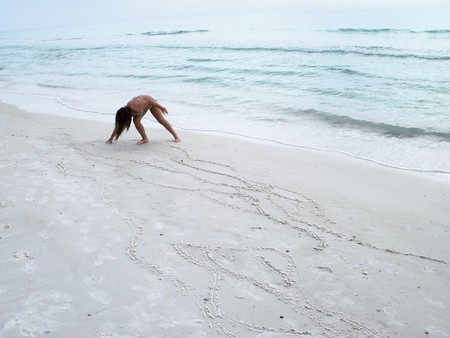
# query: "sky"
{"points": [[412, 14]]}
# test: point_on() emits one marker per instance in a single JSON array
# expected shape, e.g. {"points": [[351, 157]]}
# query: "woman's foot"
{"points": [[143, 141], [177, 140]]}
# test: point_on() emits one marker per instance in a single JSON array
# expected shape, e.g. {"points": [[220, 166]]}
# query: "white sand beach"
{"points": [[212, 237]]}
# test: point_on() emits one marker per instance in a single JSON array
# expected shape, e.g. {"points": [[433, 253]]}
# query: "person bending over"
{"points": [[136, 110]]}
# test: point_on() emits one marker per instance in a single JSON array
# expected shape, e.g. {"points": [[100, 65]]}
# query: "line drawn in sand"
{"points": [[221, 184]]}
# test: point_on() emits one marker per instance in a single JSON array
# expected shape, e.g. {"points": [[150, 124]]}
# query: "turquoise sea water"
{"points": [[377, 94]]}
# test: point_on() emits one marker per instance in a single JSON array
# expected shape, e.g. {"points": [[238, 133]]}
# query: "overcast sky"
{"points": [[421, 14]]}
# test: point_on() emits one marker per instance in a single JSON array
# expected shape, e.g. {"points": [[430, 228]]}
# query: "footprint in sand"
{"points": [[3, 228], [38, 315], [29, 197], [21, 255], [30, 265], [100, 296], [6, 204]]}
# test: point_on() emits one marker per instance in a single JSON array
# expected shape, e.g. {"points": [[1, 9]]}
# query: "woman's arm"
{"points": [[111, 139], [155, 103]]}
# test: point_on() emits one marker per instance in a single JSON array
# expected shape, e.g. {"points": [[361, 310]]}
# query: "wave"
{"points": [[363, 51], [178, 32], [438, 31], [372, 51], [368, 30], [61, 39], [204, 79], [348, 71], [388, 130], [202, 60], [53, 86], [387, 30]]}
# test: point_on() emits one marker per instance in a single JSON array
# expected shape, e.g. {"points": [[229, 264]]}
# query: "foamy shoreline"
{"points": [[215, 236]]}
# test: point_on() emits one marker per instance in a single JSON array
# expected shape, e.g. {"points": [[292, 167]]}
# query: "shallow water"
{"points": [[377, 94]]}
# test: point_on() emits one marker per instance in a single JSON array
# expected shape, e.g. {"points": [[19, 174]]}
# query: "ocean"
{"points": [[381, 95]]}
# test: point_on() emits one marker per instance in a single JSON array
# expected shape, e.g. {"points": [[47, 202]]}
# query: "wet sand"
{"points": [[212, 237]]}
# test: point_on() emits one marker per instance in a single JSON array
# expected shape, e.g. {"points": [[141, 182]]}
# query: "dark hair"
{"points": [[123, 121]]}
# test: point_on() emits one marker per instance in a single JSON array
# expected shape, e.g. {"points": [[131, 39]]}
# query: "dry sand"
{"points": [[212, 237]]}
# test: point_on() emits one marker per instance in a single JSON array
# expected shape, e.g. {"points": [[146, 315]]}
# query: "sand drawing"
{"points": [[248, 271], [238, 278]]}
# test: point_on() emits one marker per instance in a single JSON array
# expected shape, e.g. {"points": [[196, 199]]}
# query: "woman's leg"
{"points": [[140, 128], [159, 116]]}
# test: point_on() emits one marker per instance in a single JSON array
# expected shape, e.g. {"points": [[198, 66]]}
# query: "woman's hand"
{"points": [[164, 110]]}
